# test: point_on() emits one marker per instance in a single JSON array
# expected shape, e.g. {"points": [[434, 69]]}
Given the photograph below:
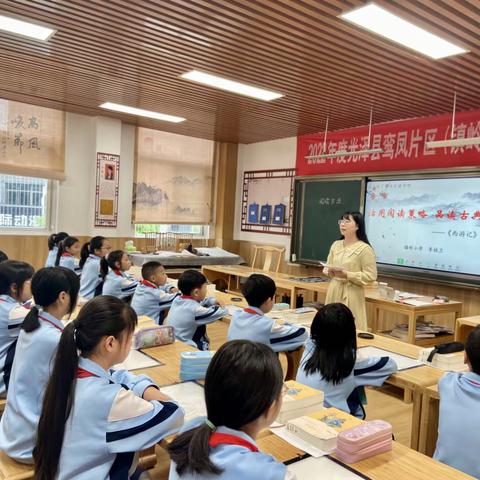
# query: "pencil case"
{"points": [[193, 365], [371, 451], [153, 337]]}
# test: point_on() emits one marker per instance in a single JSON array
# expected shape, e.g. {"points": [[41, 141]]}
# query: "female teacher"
{"points": [[351, 265]]}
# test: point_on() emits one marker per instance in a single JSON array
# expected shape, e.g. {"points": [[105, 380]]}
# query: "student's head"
{"points": [[69, 245], [102, 332], [334, 335], [353, 223], [249, 395], [117, 260], [15, 279], [193, 283], [53, 289], [3, 256], [154, 272], [472, 350], [259, 290], [99, 246], [55, 238]]}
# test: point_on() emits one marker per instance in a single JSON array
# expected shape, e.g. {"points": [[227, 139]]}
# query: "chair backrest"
{"points": [[12, 470], [151, 242], [269, 252]]}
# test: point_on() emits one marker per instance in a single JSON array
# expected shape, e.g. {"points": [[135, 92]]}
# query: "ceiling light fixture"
{"points": [[26, 29], [141, 113]]}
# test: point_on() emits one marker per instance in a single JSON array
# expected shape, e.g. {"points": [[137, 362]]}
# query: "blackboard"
{"points": [[318, 206]]}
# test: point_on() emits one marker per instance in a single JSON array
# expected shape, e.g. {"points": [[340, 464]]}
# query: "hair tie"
{"points": [[210, 425]]}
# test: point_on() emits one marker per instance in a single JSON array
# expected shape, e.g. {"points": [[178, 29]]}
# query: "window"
{"points": [[196, 230], [23, 202]]}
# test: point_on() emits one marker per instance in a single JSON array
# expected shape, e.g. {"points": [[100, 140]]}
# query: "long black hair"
{"points": [[243, 380], [55, 238], [14, 272], [110, 262], [334, 334], [62, 247], [102, 316], [47, 284], [95, 243], [360, 222]]}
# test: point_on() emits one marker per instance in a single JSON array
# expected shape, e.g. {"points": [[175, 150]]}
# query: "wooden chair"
{"points": [[269, 251], [12, 470], [293, 362]]}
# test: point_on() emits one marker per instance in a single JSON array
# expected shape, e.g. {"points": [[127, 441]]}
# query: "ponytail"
{"points": [[62, 247], [31, 322], [84, 253], [55, 238], [110, 262], [95, 243]]}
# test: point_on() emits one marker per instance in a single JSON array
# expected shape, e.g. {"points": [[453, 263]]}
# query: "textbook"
{"points": [[315, 432], [299, 400]]}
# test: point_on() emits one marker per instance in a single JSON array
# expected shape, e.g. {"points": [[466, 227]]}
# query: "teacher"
{"points": [[351, 264]]}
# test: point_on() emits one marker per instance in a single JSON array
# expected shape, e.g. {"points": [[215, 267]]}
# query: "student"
{"points": [[116, 281], [90, 256], [458, 443], [68, 252], [252, 324], [93, 420], [53, 240], [193, 310], [150, 299], [14, 291], [239, 405], [3, 256], [55, 291], [330, 361]]}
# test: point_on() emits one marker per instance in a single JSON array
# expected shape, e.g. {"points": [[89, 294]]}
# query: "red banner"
{"points": [[403, 144]]}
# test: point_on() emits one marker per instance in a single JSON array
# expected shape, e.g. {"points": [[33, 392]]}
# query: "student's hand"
{"points": [[153, 393], [173, 290]]}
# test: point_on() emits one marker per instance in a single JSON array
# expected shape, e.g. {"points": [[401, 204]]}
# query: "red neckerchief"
{"points": [[187, 297], [226, 439], [51, 323], [148, 284], [250, 310], [66, 254], [82, 373], [117, 272]]}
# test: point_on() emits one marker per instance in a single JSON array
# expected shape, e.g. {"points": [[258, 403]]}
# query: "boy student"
{"points": [[252, 324], [193, 310], [458, 443], [153, 295]]}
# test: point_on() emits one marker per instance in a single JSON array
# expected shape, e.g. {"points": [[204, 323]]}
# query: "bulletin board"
{"points": [[106, 190], [267, 201]]}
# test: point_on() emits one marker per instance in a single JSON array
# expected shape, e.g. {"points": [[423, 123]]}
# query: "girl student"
{"points": [[330, 362], [53, 240], [116, 281], [93, 419], [91, 254], [68, 252], [14, 291], [223, 445], [55, 291]]}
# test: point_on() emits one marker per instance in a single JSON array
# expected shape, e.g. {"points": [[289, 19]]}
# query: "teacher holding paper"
{"points": [[351, 264]]}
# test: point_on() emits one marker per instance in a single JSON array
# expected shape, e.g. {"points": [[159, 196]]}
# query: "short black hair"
{"points": [[149, 268], [258, 289], [3, 256], [190, 280], [472, 348]]}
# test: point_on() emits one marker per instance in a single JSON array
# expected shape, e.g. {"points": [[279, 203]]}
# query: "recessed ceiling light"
{"points": [[231, 85], [27, 29], [141, 113], [388, 25]]}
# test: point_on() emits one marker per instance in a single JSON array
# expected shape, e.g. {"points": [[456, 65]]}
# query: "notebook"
{"points": [[137, 360], [323, 467], [403, 362], [190, 395]]}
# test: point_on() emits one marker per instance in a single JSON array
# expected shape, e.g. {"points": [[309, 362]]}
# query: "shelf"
{"points": [[422, 342]]}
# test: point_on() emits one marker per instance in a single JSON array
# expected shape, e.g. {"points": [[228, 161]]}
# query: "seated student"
{"points": [[90, 256], [53, 240], [330, 361], [116, 281], [458, 443], [55, 291], [93, 420], [193, 310], [68, 251], [252, 324], [14, 292], [149, 298], [240, 404], [3, 256]]}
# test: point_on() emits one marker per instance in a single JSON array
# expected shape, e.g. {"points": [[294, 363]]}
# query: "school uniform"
{"points": [[458, 443], [119, 284], [67, 260], [190, 319], [152, 301], [12, 314], [237, 454], [33, 361], [251, 324], [109, 422], [347, 394], [51, 257], [90, 281]]}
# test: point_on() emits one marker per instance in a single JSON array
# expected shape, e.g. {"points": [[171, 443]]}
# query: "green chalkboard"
{"points": [[318, 206]]}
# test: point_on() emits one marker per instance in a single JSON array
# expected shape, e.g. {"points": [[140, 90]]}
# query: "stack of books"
{"points": [[423, 330], [193, 365], [299, 401]]}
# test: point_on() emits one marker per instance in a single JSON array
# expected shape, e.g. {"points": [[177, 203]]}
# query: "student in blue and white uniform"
{"points": [[116, 281], [330, 361], [15, 279], [55, 291], [239, 405], [53, 240], [93, 420], [90, 256], [153, 296], [458, 443], [68, 253], [192, 311], [252, 324]]}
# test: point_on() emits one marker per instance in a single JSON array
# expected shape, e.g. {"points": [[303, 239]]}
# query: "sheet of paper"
{"points": [[232, 309], [403, 362], [324, 467], [190, 396], [292, 439], [137, 360], [416, 303]]}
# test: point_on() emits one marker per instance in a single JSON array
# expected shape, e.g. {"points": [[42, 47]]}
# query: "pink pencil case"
{"points": [[372, 450]]}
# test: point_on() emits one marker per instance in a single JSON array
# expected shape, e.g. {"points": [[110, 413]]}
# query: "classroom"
{"points": [[239, 240]]}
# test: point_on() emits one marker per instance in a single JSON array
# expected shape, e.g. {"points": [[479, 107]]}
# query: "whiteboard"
{"points": [[322, 468], [403, 362]]}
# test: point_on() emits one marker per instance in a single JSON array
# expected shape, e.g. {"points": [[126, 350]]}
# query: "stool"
{"points": [[13, 470], [293, 362]]}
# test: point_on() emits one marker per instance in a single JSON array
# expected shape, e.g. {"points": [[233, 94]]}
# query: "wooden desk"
{"points": [[464, 326], [429, 423]]}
